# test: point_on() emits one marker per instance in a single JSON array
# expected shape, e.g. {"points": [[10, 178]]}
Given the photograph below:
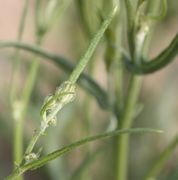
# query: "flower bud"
{"points": [[64, 94]]}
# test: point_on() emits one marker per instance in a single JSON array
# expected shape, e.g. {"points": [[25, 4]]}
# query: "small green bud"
{"points": [[64, 94]]}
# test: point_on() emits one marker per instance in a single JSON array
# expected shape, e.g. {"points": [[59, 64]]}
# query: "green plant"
{"points": [[108, 19]]}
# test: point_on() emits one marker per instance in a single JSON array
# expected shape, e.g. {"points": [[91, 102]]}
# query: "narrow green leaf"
{"points": [[44, 160]]}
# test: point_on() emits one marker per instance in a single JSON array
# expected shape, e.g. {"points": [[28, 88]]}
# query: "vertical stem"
{"points": [[20, 106], [115, 74], [18, 133], [128, 113], [18, 122], [126, 122], [18, 142], [27, 91]]}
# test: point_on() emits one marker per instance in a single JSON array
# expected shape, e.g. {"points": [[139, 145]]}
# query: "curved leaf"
{"points": [[44, 160], [157, 63]]}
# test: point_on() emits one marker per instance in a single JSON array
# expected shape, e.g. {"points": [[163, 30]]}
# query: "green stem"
{"points": [[18, 143], [94, 42], [35, 138], [31, 80], [18, 122], [162, 159], [126, 122], [129, 110], [43, 126], [26, 96], [26, 93]]}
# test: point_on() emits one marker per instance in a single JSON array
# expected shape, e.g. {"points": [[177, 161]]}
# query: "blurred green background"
{"points": [[84, 117]]}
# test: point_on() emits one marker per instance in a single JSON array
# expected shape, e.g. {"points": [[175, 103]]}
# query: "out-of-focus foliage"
{"points": [[84, 116]]}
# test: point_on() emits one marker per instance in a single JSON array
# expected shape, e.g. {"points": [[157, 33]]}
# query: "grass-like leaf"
{"points": [[44, 160]]}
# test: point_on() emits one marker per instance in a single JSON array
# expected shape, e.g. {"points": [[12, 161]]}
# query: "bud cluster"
{"points": [[64, 94]]}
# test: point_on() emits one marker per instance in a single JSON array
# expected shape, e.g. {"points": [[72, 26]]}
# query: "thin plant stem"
{"points": [[30, 84], [129, 109], [26, 93], [18, 144], [18, 122], [114, 68], [39, 132], [118, 75], [91, 67], [84, 60], [126, 122]]}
